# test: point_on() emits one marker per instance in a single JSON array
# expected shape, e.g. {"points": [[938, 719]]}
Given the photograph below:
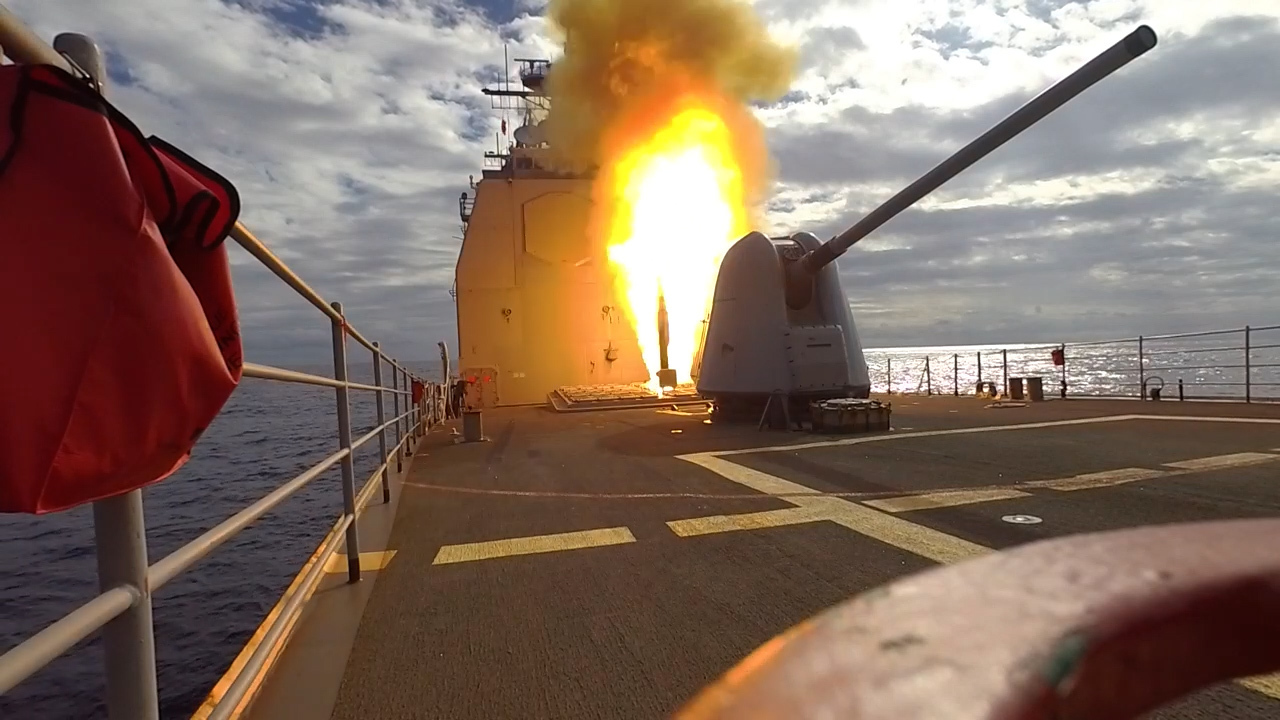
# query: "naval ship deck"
{"points": [[577, 566]]}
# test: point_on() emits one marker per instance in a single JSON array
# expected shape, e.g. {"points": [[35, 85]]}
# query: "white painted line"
{"points": [[471, 552], [920, 434], [1219, 462], [1209, 418], [986, 429]]}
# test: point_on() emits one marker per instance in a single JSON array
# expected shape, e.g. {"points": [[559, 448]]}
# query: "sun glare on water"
{"points": [[678, 206]]}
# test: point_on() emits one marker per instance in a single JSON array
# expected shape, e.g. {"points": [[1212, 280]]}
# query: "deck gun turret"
{"points": [[780, 324]]}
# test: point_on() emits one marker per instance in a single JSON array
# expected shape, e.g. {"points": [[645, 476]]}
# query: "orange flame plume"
{"points": [[654, 93]]}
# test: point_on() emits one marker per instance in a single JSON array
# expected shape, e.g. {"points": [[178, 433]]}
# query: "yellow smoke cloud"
{"points": [[628, 63]]}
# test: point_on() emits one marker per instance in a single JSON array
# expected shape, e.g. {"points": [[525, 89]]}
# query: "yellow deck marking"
{"points": [[944, 498], [743, 475], [1218, 462], [926, 542], [1088, 481], [471, 552], [1265, 684], [745, 521], [376, 560], [921, 540]]}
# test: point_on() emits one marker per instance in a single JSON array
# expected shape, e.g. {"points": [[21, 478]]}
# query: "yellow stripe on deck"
{"points": [[745, 521], [470, 552], [918, 539], [944, 498], [1089, 481], [1218, 462], [1266, 684], [377, 560]]}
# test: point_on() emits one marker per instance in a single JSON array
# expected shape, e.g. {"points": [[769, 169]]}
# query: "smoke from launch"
{"points": [[629, 66]]}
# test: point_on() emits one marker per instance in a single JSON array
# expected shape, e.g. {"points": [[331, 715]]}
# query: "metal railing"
{"points": [[1233, 364], [127, 579]]}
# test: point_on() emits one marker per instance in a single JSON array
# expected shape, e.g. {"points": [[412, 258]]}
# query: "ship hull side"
{"points": [[536, 304]]}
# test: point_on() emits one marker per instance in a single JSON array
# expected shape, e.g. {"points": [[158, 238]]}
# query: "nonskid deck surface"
{"points": [[575, 566]]}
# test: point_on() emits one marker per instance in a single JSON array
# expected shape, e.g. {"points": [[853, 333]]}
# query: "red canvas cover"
{"points": [[121, 341]]}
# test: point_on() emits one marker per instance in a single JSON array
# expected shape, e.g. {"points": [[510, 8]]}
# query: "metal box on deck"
{"points": [[848, 415], [1035, 388]]}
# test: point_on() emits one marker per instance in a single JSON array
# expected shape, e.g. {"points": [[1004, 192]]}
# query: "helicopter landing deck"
{"points": [[610, 565]]}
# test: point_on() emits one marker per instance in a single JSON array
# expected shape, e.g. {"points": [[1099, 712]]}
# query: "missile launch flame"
{"points": [[654, 94]]}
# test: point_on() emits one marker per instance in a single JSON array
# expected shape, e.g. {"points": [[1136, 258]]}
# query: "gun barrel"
{"points": [[1112, 59]]}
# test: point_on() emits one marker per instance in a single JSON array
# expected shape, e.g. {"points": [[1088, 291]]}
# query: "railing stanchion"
{"points": [[888, 375], [395, 408], [416, 407], [411, 423], [422, 408], [382, 434], [1248, 382], [120, 528], [407, 386], [955, 374], [344, 441], [1063, 388], [120, 536], [928, 377], [1142, 372], [979, 369], [1004, 362]]}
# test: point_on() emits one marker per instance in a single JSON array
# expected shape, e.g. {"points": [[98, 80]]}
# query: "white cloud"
{"points": [[350, 128]]}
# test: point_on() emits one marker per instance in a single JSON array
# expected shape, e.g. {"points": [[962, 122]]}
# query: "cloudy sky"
{"points": [[350, 127]]}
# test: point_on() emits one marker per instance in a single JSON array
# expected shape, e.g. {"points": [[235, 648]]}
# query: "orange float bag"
{"points": [[120, 342]]}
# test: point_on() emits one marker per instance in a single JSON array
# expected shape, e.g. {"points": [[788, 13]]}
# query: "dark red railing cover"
{"points": [[1103, 626]]}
